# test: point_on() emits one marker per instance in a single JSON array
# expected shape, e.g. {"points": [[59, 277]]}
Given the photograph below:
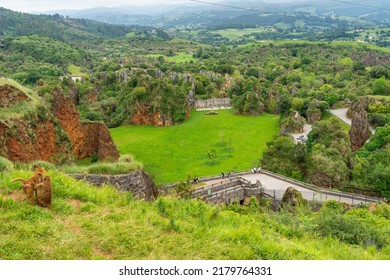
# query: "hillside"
{"points": [[32, 128], [59, 27], [90, 223], [224, 13]]}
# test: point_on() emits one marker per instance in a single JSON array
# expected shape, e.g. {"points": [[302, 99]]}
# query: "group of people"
{"points": [[256, 170]]}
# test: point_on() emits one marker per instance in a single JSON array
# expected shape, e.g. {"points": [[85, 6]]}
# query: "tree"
{"points": [[326, 167], [212, 156], [381, 87]]}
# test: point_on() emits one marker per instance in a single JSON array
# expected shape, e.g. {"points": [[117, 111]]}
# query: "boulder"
{"points": [[293, 198]]}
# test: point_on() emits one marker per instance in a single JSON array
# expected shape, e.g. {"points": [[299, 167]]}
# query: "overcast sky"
{"points": [[46, 5]]}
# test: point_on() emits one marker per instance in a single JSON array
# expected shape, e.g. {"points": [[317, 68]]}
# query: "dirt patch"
{"points": [[75, 203], [10, 95], [101, 253], [16, 196]]}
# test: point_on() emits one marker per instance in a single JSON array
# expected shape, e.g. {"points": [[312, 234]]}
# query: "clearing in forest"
{"points": [[203, 145]]}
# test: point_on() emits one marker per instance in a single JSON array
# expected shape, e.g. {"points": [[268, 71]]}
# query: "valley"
{"points": [[112, 96]]}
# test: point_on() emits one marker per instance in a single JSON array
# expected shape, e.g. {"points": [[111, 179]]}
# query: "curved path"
{"points": [[342, 114], [275, 185]]}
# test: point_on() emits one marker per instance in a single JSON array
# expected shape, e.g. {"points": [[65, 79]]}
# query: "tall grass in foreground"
{"points": [[100, 223]]}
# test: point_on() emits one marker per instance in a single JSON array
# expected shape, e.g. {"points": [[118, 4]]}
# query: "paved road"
{"points": [[306, 130], [276, 187], [342, 114]]}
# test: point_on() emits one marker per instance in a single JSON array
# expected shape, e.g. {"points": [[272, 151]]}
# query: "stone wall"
{"points": [[238, 189], [137, 182], [212, 103]]}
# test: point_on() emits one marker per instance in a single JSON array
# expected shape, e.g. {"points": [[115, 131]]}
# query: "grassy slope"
{"points": [[170, 153], [99, 223], [18, 110]]}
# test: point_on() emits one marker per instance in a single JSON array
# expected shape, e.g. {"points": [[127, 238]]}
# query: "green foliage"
{"points": [[5, 164], [104, 168], [94, 158], [381, 87], [382, 210], [371, 163], [284, 157], [356, 226], [184, 189], [212, 156]]}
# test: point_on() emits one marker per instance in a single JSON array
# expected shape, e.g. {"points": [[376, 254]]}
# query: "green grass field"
{"points": [[234, 34], [180, 57], [75, 70], [172, 153]]}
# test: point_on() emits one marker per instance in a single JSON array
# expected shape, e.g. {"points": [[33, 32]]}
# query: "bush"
{"points": [[356, 226], [105, 168], [30, 165], [5, 164], [126, 158]]}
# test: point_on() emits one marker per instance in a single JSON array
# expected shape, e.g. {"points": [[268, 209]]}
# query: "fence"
{"points": [[321, 197], [320, 194]]}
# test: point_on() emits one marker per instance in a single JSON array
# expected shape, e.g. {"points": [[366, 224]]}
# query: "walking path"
{"points": [[342, 114], [275, 185]]}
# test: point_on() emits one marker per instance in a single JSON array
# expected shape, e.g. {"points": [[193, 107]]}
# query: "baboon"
{"points": [[43, 192], [28, 185]]}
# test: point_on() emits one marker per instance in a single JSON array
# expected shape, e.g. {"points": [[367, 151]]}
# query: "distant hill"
{"points": [[205, 15], [59, 27]]}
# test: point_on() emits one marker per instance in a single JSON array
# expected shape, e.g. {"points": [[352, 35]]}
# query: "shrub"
{"points": [[104, 168], [5, 164], [356, 226]]}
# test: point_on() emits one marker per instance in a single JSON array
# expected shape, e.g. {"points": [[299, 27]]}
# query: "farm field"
{"points": [[203, 145], [180, 57]]}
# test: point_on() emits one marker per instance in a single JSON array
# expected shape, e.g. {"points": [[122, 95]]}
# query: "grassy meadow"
{"points": [[86, 222], [202, 145], [180, 57]]}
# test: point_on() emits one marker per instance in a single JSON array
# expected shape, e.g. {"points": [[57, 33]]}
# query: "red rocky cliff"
{"points": [[87, 138], [31, 134]]}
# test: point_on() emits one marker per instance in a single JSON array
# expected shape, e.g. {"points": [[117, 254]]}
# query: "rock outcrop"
{"points": [[138, 183], [293, 123], [87, 138], [32, 133], [314, 112], [293, 198], [212, 103], [360, 127], [359, 132], [10, 95]]}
